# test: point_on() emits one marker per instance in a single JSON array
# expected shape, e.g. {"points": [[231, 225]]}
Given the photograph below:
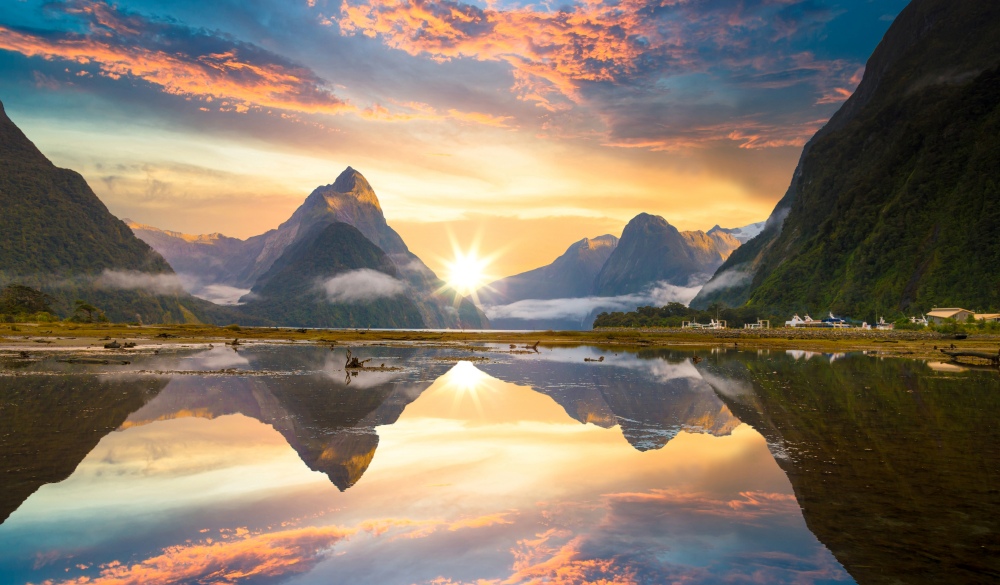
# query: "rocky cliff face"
{"points": [[894, 203]]}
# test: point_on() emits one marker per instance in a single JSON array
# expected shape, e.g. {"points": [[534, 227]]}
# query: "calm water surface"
{"points": [[272, 465]]}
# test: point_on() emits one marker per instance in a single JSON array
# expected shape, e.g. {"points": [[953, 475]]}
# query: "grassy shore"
{"points": [[22, 337]]}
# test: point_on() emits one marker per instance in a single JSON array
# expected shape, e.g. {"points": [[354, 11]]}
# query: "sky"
{"points": [[523, 126]]}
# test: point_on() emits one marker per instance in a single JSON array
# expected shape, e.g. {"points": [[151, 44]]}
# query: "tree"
{"points": [[83, 307], [16, 299]]}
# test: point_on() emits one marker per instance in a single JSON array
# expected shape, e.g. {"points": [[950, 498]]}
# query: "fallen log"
{"points": [[94, 362], [993, 358]]}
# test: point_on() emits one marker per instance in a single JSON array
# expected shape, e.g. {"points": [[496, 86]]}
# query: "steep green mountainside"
{"points": [[570, 275], [53, 224], [292, 291], [56, 235], [895, 205], [651, 250]]}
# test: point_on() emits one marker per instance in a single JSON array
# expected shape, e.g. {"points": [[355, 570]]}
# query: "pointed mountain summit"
{"points": [[894, 205], [651, 250], [349, 200], [570, 275]]}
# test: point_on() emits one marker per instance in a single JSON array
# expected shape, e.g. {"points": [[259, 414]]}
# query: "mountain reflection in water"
{"points": [[450, 473]]}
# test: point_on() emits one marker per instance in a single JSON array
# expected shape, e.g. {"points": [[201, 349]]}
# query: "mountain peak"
{"points": [[15, 147], [347, 180], [352, 184]]}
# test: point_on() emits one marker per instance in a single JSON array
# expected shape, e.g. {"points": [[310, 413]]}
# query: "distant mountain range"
{"points": [[306, 255], [894, 206], [334, 263], [569, 275], [652, 263]]}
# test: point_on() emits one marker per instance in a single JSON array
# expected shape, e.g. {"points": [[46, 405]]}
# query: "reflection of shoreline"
{"points": [[894, 465], [51, 425]]}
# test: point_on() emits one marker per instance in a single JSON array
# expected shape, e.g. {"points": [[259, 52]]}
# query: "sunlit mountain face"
{"points": [[531, 125]]}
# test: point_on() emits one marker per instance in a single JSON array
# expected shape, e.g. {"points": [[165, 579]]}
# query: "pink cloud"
{"points": [[224, 561]]}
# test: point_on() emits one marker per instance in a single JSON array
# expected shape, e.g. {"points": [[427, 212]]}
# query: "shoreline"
{"points": [[46, 337]]}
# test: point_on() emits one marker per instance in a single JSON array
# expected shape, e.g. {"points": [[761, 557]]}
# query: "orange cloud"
{"points": [[752, 504], [748, 134], [229, 75], [538, 561], [234, 76], [224, 561], [550, 52], [411, 111], [240, 554], [424, 528]]}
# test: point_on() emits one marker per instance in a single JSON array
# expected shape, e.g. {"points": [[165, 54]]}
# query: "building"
{"points": [[939, 316], [988, 317]]}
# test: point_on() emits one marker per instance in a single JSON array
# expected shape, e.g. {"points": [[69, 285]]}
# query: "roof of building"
{"points": [[946, 313]]}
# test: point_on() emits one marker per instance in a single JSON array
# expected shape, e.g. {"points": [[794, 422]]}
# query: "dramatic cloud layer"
{"points": [[620, 55], [220, 117], [245, 556], [181, 61]]}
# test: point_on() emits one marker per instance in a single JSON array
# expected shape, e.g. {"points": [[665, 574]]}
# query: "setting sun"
{"points": [[467, 273]]}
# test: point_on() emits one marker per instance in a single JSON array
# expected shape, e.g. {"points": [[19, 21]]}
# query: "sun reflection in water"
{"points": [[466, 381]]}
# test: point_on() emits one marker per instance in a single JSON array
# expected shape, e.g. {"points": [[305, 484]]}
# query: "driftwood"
{"points": [[94, 361], [600, 359], [354, 363], [993, 358], [113, 345]]}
